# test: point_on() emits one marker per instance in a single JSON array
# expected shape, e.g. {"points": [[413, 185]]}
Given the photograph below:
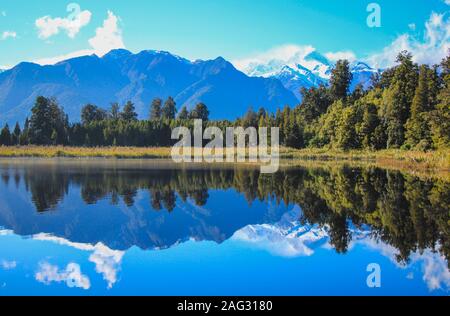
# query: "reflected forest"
{"points": [[404, 211]]}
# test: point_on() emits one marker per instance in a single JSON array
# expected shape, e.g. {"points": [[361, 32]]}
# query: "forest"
{"points": [[406, 107]]}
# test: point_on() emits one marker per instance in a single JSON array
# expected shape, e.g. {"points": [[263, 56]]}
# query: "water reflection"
{"points": [[107, 208]]}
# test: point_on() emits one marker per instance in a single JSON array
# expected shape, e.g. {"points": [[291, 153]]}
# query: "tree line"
{"points": [[407, 106]]}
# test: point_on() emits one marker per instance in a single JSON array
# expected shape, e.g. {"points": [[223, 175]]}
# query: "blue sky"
{"points": [[234, 29]]}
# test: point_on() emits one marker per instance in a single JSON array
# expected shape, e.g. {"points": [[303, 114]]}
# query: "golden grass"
{"points": [[399, 159], [85, 152], [438, 160]]}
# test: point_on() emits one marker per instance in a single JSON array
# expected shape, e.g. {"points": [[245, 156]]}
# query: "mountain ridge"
{"points": [[120, 76]]}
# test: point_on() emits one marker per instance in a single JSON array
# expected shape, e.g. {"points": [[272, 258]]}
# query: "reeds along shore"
{"points": [[433, 160]]}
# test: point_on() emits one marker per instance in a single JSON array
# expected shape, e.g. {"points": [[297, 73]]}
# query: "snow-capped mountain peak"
{"points": [[361, 66], [303, 68]]}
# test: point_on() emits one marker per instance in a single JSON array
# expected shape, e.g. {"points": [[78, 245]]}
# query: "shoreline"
{"points": [[400, 159]]}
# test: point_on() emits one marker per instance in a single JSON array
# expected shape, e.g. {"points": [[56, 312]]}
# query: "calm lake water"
{"points": [[74, 227]]}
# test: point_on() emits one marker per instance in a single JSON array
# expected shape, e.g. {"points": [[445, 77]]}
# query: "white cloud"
{"points": [[107, 37], [435, 270], [447, 2], [433, 265], [8, 34], [8, 265], [48, 26], [107, 261], [71, 275], [431, 49], [335, 56], [3, 13]]}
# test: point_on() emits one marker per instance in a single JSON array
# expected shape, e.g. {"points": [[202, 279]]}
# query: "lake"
{"points": [[118, 227]]}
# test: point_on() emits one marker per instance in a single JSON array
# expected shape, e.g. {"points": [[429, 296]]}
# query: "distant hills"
{"points": [[120, 76]]}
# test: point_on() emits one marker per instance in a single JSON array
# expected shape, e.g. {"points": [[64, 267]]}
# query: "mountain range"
{"points": [[120, 76], [307, 69]]}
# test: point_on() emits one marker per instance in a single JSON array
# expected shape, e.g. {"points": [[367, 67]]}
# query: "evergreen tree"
{"points": [[46, 117], [114, 111], [315, 102], [440, 117], [129, 113], [358, 93], [370, 122], [15, 138], [399, 97], [250, 118], [290, 130], [200, 112], [417, 126], [5, 136], [91, 113], [155, 109], [325, 130], [24, 136], [261, 113], [169, 109], [340, 80], [346, 137], [183, 114]]}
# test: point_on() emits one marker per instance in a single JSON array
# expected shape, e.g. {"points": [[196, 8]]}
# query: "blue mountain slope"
{"points": [[120, 76]]}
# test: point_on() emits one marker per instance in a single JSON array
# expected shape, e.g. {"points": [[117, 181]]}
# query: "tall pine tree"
{"points": [[417, 126], [5, 136], [155, 109], [340, 80], [169, 109], [398, 99], [441, 115]]}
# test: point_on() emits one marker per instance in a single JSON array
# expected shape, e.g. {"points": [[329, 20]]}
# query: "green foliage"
{"points": [[398, 99], [169, 109], [15, 137], [200, 112], [5, 136], [418, 126], [368, 128], [183, 114], [129, 113], [340, 80], [48, 124], [91, 113], [250, 118], [440, 116], [155, 109], [315, 102], [346, 137]]}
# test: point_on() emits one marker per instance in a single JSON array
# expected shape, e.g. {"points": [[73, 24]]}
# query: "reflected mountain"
{"points": [[126, 204]]}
